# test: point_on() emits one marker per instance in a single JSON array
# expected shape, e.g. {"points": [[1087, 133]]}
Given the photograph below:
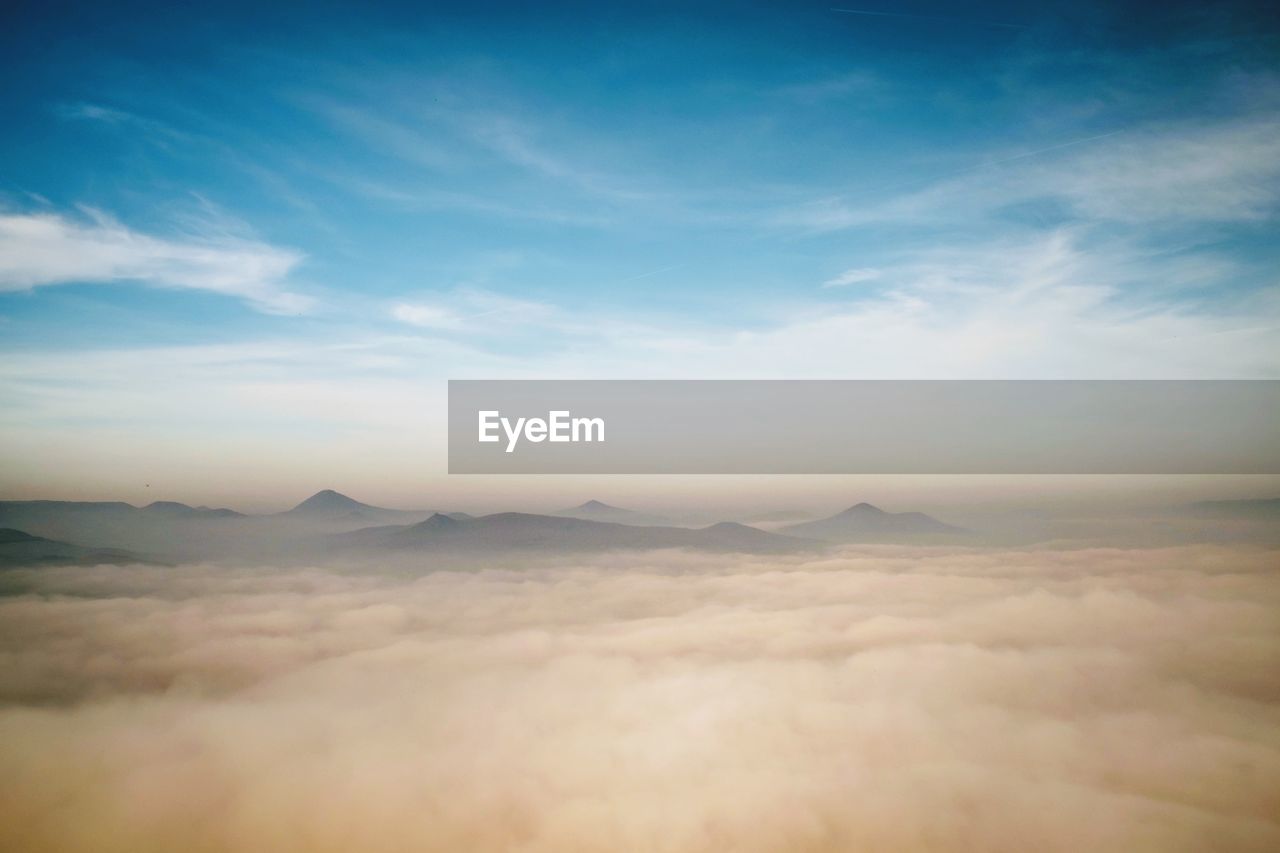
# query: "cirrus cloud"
{"points": [[42, 249]]}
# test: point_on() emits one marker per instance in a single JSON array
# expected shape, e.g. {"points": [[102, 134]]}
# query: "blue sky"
{"points": [[225, 227]]}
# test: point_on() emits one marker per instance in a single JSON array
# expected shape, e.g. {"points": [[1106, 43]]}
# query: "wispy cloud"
{"points": [[1216, 172], [475, 312], [92, 112], [490, 134], [517, 141], [857, 275], [398, 138], [1065, 304], [1160, 174], [427, 316], [42, 249], [153, 130], [367, 398]]}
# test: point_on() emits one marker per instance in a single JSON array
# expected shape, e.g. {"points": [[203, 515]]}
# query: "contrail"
{"points": [[928, 18]]}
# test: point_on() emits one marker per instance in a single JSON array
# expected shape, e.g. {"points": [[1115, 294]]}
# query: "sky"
{"points": [[242, 249]]}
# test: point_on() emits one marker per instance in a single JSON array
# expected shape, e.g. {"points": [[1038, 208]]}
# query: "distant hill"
{"points": [[1260, 508], [81, 508], [175, 531], [164, 528], [516, 531], [598, 511], [173, 509], [40, 511], [327, 502], [330, 507], [866, 523], [18, 548]]}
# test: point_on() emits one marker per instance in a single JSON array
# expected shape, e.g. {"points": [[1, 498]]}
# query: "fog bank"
{"points": [[882, 698]]}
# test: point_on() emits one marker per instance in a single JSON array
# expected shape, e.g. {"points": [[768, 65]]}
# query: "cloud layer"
{"points": [[888, 699]]}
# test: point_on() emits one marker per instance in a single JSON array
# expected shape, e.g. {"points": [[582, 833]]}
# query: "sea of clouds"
{"points": [[879, 699]]}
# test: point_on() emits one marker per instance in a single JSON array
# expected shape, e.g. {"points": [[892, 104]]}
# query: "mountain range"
{"points": [[518, 531], [330, 525]]}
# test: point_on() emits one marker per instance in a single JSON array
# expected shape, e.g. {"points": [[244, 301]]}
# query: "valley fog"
{"points": [[869, 697]]}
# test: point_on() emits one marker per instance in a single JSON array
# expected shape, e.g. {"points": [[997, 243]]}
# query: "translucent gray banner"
{"points": [[863, 427]]}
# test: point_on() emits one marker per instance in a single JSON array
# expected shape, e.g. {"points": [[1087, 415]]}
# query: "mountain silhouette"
{"points": [[175, 509], [19, 548], [518, 531], [594, 510], [866, 523], [328, 507], [329, 502], [1257, 508]]}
